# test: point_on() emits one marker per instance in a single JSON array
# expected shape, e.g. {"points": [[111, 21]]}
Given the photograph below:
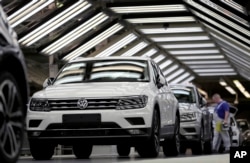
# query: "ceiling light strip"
{"points": [[135, 49], [118, 45], [76, 33], [230, 90], [55, 22], [165, 64], [179, 38], [183, 46], [93, 42], [218, 74], [225, 12], [205, 62], [188, 80], [241, 88], [218, 17], [159, 58], [23, 14], [149, 53], [171, 30], [201, 57], [209, 66], [221, 27], [214, 70], [171, 69], [162, 19], [148, 9], [187, 52], [180, 78], [175, 74], [234, 5]]}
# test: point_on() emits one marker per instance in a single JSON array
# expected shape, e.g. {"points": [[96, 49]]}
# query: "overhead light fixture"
{"points": [[220, 26], [188, 80], [214, 70], [225, 12], [200, 57], [149, 53], [165, 64], [186, 52], [148, 9], [230, 90], [135, 49], [205, 62], [54, 22], [76, 33], [209, 66], [218, 74], [169, 70], [179, 38], [162, 20], [171, 30], [27, 11], [218, 17], [234, 44], [235, 5], [183, 46], [174, 75], [159, 58], [118, 45], [241, 88], [222, 83], [180, 78], [93, 42]]}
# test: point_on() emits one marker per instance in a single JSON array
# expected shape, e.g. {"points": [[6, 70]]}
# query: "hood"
{"points": [[187, 107], [107, 89]]}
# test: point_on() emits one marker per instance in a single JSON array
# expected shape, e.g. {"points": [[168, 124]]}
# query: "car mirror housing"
{"points": [[47, 82]]}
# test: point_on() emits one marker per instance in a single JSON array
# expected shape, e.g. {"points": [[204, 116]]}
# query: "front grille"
{"points": [[93, 104]]}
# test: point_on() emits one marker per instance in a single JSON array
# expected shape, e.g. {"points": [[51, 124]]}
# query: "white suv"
{"points": [[124, 101]]}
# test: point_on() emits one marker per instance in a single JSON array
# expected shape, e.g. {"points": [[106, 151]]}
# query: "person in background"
{"points": [[221, 121]]}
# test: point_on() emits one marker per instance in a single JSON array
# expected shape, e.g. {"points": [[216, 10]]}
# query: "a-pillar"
{"points": [[53, 66]]}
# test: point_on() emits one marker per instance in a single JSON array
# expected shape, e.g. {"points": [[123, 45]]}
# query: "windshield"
{"points": [[104, 71], [184, 95]]}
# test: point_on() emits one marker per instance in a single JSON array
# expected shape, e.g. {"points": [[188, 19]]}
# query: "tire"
{"points": [[11, 118], [151, 148], [123, 150], [208, 143], [171, 147], [197, 148], [41, 150], [82, 151], [183, 148]]}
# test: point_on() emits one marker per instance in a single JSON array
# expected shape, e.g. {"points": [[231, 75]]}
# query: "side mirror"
{"points": [[160, 81], [203, 102], [47, 82]]}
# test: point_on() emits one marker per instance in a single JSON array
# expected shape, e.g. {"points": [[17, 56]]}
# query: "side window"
{"points": [[160, 73], [155, 72]]}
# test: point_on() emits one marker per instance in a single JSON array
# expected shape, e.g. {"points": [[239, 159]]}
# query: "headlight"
{"points": [[39, 105], [132, 102], [191, 116]]}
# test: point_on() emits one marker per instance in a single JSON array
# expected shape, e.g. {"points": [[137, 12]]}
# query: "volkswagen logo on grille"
{"points": [[82, 103]]}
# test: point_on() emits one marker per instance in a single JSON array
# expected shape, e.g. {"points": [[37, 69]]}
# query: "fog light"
{"points": [[135, 132], [36, 133]]}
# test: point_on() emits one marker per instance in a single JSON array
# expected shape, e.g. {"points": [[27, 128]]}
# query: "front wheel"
{"points": [[11, 118], [197, 147], [171, 147], [151, 148], [41, 150], [123, 150], [82, 151]]}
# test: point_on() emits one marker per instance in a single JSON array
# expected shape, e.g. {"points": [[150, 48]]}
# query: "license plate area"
{"points": [[82, 118]]}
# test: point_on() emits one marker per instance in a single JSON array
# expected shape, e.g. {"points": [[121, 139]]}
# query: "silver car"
{"points": [[195, 120]]}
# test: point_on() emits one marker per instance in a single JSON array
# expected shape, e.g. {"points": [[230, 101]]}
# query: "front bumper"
{"points": [[111, 126], [190, 131]]}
